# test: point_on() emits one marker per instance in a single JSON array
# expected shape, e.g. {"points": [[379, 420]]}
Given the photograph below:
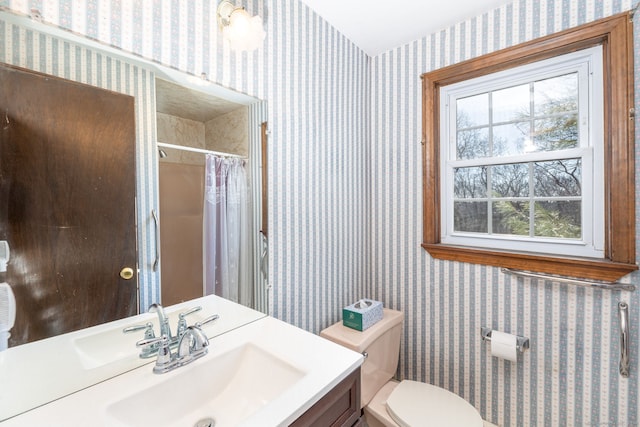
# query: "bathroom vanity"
{"points": [[338, 407], [259, 371]]}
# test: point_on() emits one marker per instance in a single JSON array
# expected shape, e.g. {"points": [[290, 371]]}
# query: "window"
{"points": [[528, 155], [521, 158]]}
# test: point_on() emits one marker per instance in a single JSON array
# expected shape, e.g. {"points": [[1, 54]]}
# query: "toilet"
{"points": [[390, 403]]}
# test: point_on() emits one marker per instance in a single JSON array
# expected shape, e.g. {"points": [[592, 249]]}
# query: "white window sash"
{"points": [[588, 64]]}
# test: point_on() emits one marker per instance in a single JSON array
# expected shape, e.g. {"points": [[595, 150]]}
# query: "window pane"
{"points": [[511, 217], [510, 180], [556, 95], [470, 217], [558, 178], [472, 111], [560, 219], [511, 104], [556, 133], [509, 140], [472, 144], [470, 183]]}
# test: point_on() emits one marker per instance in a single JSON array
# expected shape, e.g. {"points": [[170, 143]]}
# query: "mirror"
{"points": [[91, 63], [192, 127]]}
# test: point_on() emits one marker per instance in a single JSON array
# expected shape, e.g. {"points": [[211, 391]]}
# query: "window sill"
{"points": [[586, 268]]}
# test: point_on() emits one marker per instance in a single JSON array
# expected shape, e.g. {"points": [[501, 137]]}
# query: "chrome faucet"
{"points": [[163, 320], [192, 345], [165, 329]]}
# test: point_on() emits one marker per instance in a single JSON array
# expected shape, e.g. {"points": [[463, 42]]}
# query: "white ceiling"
{"points": [[376, 26], [373, 25]]}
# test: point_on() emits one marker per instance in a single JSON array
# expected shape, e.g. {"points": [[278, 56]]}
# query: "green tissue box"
{"points": [[362, 314]]}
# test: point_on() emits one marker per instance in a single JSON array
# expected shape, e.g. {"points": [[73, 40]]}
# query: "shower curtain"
{"points": [[227, 262]]}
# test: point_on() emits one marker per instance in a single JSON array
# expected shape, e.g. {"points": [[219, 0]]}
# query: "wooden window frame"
{"points": [[615, 35]]}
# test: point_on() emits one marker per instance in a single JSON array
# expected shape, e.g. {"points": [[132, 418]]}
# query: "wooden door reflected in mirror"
{"points": [[67, 191]]}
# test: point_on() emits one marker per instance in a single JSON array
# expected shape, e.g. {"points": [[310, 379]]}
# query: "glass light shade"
{"points": [[244, 32]]}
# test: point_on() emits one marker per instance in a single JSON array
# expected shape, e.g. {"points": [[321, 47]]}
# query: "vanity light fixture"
{"points": [[241, 30]]}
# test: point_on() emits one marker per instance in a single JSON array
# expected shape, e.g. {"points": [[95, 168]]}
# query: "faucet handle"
{"points": [[150, 350], [207, 320], [148, 329], [190, 311], [151, 341]]}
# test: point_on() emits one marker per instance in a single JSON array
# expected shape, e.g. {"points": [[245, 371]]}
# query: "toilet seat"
{"points": [[413, 404]]}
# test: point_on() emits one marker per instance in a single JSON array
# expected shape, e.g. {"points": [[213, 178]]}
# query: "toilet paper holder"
{"points": [[522, 343]]}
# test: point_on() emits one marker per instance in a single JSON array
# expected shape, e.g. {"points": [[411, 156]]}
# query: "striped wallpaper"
{"points": [[570, 375], [258, 114], [344, 198]]}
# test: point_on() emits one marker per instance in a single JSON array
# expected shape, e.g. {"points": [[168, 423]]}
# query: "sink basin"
{"points": [[265, 373], [92, 368], [99, 346], [228, 387]]}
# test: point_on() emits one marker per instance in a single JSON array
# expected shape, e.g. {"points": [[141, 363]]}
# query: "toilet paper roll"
{"points": [[504, 346]]}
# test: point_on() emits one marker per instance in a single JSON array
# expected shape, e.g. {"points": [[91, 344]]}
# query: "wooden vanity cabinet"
{"points": [[340, 407]]}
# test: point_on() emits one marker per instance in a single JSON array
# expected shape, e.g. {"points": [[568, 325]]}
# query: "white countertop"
{"points": [[36, 373], [323, 363]]}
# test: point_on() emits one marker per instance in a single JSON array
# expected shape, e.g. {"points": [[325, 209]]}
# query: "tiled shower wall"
{"points": [[345, 207], [569, 377]]}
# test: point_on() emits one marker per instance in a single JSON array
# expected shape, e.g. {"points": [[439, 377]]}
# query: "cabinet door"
{"points": [[67, 203], [338, 408]]}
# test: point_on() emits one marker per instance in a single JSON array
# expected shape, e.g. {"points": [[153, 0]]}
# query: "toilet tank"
{"points": [[381, 342]]}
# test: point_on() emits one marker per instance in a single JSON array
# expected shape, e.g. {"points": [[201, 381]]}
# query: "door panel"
{"points": [[181, 200], [67, 202]]}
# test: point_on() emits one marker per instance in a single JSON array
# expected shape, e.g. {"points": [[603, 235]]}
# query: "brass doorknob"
{"points": [[126, 273]]}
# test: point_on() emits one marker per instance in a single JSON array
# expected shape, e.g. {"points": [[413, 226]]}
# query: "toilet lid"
{"points": [[413, 404]]}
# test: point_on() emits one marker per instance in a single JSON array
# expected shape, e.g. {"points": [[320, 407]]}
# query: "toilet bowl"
{"points": [[390, 403]]}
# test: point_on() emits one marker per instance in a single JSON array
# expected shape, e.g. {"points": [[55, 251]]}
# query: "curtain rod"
{"points": [[610, 286], [198, 150]]}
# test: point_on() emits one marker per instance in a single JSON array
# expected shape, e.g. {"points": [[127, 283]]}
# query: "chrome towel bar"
{"points": [[610, 286], [156, 221], [623, 316]]}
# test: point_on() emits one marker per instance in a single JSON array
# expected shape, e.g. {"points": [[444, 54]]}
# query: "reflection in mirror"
{"points": [[199, 234], [40, 371], [63, 167]]}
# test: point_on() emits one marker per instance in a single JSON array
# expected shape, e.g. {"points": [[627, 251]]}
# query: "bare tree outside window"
{"points": [[536, 199]]}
